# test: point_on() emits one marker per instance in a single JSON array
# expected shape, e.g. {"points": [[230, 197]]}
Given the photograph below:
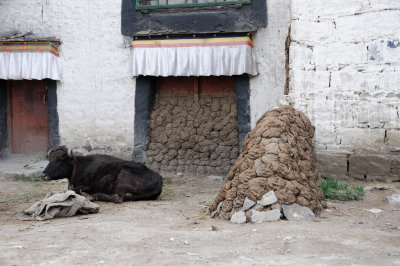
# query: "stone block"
{"points": [[392, 124], [324, 134], [331, 164], [247, 204], [370, 166], [394, 198], [384, 4], [301, 57], [376, 113], [312, 31], [296, 212], [384, 50], [314, 9], [393, 137], [376, 125], [361, 137], [268, 198], [333, 55], [266, 216], [356, 79], [326, 112], [238, 217], [367, 26], [309, 81], [276, 206]]}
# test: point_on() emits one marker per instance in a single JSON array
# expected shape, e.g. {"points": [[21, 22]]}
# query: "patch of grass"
{"points": [[38, 160], [25, 198], [167, 180], [25, 178], [171, 180], [9, 201], [24, 229], [340, 191], [170, 194]]}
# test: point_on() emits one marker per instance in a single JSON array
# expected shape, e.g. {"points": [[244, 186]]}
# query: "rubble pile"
{"points": [[277, 158]]}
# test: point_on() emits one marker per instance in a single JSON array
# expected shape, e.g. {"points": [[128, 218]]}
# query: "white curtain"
{"points": [[29, 65], [218, 60]]}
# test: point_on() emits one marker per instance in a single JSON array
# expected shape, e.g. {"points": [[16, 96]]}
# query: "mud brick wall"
{"points": [[193, 132]]}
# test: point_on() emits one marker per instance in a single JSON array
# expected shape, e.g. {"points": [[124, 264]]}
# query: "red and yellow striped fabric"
{"points": [[202, 42], [29, 47]]}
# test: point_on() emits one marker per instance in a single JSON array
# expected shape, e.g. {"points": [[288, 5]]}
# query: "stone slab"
{"points": [[295, 212], [248, 203], [394, 198], [268, 198], [238, 217], [266, 216]]}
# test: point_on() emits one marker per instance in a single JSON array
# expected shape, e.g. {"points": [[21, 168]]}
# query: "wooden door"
{"points": [[178, 85], [217, 86], [28, 117]]}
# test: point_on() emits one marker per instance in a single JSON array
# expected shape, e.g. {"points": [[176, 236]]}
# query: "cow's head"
{"points": [[60, 164]]}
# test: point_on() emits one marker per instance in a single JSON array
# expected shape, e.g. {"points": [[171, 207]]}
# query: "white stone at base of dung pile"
{"points": [[267, 216], [276, 206], [296, 212], [269, 198], [248, 203], [216, 178], [217, 210], [238, 218], [394, 198]]}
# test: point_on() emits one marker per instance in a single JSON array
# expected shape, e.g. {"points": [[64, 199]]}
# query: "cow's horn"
{"points": [[50, 151], [70, 153]]}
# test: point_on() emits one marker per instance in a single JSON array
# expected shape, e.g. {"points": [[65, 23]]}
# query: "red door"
{"points": [[217, 86], [28, 118]]}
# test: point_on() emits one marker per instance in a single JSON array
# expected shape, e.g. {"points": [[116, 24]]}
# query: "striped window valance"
{"points": [[217, 56], [29, 60]]}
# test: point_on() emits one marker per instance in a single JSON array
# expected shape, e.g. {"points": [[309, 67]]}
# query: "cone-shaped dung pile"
{"points": [[277, 155]]}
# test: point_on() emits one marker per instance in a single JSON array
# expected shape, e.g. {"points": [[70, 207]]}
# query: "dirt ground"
{"points": [[176, 229]]}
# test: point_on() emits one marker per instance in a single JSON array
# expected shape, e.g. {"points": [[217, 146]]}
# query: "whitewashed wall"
{"points": [[345, 75], [268, 87], [96, 93]]}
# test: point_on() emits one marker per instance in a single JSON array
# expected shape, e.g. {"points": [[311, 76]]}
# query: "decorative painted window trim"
{"points": [[145, 5]]}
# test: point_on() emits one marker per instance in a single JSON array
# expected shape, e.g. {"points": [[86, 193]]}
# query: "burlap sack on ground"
{"points": [[59, 204], [276, 155]]}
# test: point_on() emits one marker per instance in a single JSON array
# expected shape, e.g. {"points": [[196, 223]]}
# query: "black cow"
{"points": [[103, 177]]}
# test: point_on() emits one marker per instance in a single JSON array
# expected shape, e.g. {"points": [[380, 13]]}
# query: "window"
{"points": [[161, 4]]}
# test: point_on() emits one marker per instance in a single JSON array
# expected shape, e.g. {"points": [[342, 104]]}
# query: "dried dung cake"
{"points": [[277, 155]]}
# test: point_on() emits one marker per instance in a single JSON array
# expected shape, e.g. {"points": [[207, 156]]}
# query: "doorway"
{"points": [[196, 94], [28, 116], [193, 125]]}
